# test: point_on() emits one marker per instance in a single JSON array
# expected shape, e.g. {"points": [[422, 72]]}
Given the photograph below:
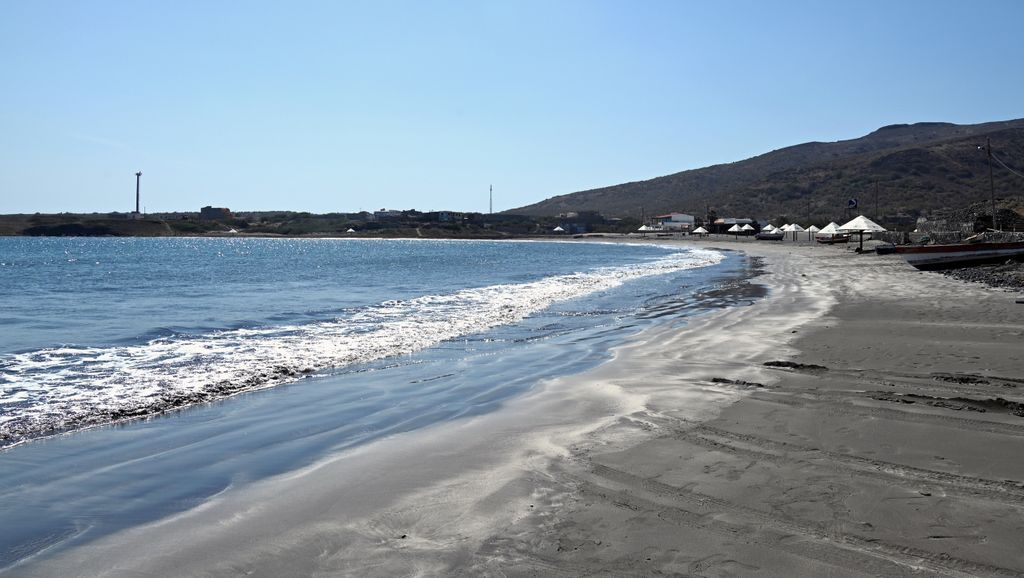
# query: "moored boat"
{"points": [[949, 256], [833, 239]]}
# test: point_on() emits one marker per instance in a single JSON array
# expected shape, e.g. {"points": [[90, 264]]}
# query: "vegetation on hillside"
{"points": [[914, 169]]}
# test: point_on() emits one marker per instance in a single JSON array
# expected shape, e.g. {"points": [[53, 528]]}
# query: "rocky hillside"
{"points": [[914, 169]]}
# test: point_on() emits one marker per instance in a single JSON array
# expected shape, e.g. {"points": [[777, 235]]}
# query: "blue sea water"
{"points": [[331, 342]]}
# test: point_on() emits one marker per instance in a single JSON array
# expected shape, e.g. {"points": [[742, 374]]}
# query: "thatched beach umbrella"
{"points": [[700, 231], [747, 228], [643, 230], [793, 228], [735, 230], [558, 230], [830, 229], [811, 231], [862, 225]]}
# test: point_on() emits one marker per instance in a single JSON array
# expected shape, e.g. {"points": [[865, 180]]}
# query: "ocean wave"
{"points": [[63, 388]]}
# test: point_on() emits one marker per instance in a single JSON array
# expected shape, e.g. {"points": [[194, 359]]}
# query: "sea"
{"points": [[139, 377]]}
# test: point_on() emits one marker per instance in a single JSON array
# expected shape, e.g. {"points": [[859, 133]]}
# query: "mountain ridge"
{"points": [[931, 165]]}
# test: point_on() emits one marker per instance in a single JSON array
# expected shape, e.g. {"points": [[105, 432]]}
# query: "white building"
{"points": [[674, 222]]}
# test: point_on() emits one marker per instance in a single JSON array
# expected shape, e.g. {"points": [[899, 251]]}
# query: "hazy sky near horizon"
{"points": [[341, 105]]}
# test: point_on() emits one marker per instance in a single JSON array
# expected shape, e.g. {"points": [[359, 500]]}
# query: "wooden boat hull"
{"points": [[930, 257], [769, 236]]}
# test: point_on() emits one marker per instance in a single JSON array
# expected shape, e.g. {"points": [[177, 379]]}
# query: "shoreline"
{"points": [[646, 464]]}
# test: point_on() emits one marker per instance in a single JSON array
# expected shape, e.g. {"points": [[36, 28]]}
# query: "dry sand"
{"points": [[892, 459]]}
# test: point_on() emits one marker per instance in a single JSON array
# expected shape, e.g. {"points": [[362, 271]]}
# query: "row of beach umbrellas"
{"points": [[860, 225], [739, 229]]}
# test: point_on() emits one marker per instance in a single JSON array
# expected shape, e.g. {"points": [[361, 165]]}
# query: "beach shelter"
{"points": [[351, 231], [747, 228], [769, 228], [831, 229], [861, 225], [811, 231], [558, 230], [643, 230], [794, 228], [735, 230], [700, 231]]}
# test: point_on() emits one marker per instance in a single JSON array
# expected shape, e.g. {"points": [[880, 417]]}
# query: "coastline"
{"points": [[645, 464]]}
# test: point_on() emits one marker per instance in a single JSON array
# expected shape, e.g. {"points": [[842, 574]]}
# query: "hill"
{"points": [[915, 169], [69, 225]]}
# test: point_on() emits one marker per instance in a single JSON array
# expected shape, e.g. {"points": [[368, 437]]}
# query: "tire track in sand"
{"points": [[759, 448], [841, 408], [777, 531]]}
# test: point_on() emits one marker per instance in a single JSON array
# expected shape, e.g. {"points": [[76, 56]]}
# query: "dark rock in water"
{"points": [[795, 365]]}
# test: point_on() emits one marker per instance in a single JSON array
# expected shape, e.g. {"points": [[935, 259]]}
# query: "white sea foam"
{"points": [[60, 388]]}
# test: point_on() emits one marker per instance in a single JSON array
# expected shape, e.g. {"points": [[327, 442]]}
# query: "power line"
{"points": [[1006, 167]]}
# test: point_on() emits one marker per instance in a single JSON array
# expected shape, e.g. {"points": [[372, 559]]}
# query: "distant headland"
{"points": [[219, 221]]}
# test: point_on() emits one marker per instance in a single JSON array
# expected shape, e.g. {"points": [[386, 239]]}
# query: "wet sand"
{"points": [[880, 448]]}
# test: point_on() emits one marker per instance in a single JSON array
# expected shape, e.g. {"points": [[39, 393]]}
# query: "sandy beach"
{"points": [[859, 420]]}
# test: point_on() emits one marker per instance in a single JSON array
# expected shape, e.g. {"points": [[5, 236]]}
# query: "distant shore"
{"points": [[292, 224]]}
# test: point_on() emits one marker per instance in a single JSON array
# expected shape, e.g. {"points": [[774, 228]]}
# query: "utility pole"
{"points": [[991, 183], [138, 177]]}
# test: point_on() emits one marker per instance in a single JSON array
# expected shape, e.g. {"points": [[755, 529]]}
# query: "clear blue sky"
{"points": [[340, 106]]}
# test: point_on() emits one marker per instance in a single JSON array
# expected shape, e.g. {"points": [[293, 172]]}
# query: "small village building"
{"points": [[387, 214], [215, 214], [448, 217]]}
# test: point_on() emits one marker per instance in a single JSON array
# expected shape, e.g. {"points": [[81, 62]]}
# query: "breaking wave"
{"points": [[63, 388]]}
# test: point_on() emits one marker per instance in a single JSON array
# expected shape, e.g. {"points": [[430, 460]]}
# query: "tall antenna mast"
{"points": [[991, 183], [138, 177], [490, 199]]}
